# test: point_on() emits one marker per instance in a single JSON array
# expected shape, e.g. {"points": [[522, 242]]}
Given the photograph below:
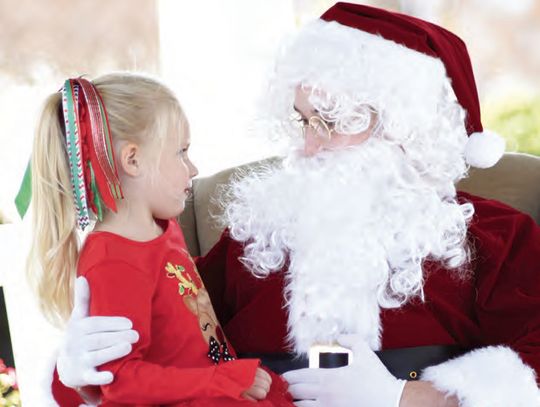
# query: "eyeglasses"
{"points": [[319, 126]]}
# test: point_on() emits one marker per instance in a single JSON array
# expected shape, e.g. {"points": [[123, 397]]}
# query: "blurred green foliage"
{"points": [[517, 119]]}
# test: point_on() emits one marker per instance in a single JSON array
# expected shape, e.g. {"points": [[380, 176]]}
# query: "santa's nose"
{"points": [[312, 143]]}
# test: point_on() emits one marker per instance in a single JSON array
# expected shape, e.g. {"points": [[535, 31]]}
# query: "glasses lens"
{"points": [[320, 127]]}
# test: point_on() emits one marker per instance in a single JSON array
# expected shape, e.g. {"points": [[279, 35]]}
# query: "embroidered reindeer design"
{"points": [[198, 302], [186, 285]]}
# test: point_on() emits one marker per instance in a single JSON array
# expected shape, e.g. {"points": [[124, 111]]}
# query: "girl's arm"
{"points": [[119, 289]]}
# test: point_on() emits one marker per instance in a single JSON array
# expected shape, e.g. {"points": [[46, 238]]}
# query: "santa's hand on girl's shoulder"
{"points": [[90, 342]]}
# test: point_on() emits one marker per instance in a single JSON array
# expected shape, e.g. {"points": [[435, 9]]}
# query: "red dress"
{"points": [[182, 357]]}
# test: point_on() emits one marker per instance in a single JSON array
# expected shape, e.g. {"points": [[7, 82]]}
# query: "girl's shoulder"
{"points": [[103, 248]]}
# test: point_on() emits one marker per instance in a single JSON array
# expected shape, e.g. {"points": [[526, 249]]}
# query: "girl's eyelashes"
{"points": [[183, 150]]}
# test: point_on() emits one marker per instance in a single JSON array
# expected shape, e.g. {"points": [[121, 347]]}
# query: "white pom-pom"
{"points": [[483, 150]]}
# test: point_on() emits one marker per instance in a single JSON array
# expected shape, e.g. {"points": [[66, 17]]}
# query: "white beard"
{"points": [[355, 226]]}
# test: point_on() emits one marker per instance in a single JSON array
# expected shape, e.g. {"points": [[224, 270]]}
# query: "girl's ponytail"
{"points": [[54, 252]]}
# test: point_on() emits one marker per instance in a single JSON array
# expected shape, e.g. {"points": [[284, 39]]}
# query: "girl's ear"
{"points": [[130, 159]]}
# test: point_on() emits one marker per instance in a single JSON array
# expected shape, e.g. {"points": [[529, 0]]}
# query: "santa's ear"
{"points": [[129, 158]]}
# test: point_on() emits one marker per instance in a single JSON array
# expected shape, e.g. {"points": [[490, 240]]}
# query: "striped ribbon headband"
{"points": [[94, 176]]}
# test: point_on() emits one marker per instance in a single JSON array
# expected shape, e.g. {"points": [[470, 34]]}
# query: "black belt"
{"points": [[403, 363]]}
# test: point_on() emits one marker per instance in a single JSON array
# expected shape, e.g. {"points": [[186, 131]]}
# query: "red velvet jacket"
{"points": [[498, 304]]}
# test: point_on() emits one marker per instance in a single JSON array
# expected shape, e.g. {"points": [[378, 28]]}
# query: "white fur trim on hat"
{"points": [[493, 376], [484, 149]]}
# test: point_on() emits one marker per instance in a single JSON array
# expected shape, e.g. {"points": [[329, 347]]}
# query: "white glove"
{"points": [[366, 382], [90, 342]]}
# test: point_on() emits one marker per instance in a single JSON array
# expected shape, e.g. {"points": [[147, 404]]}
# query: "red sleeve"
{"points": [[64, 396], [119, 289], [279, 395], [507, 258]]}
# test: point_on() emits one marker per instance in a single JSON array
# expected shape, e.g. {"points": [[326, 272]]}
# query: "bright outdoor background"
{"points": [[215, 54]]}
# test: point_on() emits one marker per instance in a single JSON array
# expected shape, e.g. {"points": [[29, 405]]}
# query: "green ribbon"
{"points": [[98, 202], [22, 200]]}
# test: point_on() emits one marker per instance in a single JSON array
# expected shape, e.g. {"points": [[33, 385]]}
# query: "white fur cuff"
{"points": [[494, 376]]}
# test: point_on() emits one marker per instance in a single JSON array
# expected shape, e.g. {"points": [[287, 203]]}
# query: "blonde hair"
{"points": [[140, 110]]}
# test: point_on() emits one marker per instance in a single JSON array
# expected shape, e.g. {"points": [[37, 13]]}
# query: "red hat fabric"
{"points": [[423, 37], [429, 39]]}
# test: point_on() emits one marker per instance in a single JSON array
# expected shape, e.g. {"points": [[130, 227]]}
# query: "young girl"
{"points": [[118, 148]]}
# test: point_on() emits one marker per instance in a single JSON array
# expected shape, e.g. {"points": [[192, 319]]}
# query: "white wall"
{"points": [[215, 54]]}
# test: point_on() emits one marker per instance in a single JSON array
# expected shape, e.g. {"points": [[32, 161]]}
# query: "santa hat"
{"points": [[484, 148]]}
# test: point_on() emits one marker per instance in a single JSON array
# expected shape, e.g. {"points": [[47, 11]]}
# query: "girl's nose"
{"points": [[193, 170]]}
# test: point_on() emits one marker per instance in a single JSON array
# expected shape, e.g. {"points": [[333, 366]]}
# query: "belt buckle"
{"points": [[332, 356]]}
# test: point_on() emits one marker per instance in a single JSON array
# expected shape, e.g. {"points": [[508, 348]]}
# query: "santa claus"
{"points": [[361, 236]]}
